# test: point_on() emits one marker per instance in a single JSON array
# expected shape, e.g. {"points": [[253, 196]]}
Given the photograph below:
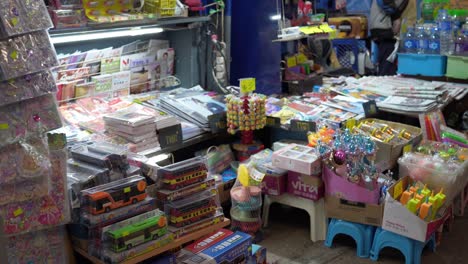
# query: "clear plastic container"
{"points": [[423, 40], [434, 41], [114, 195], [174, 195], [446, 34], [182, 174], [409, 41], [192, 209]]}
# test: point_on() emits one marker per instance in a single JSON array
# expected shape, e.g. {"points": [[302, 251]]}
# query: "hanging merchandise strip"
{"points": [[26, 54]]}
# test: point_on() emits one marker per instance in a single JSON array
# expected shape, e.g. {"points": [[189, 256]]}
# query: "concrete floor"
{"points": [[287, 241]]}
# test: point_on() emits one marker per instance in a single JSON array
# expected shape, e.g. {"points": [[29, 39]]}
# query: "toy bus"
{"points": [[193, 212], [138, 233], [184, 173], [117, 194]]}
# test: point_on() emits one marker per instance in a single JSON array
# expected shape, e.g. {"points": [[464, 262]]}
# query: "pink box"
{"points": [[274, 184], [305, 186], [297, 158], [336, 185]]}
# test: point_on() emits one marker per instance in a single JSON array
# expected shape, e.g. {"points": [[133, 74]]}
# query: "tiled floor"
{"points": [[287, 241]]}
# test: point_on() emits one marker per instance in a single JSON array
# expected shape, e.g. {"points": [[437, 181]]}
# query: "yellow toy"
{"points": [[324, 134]]}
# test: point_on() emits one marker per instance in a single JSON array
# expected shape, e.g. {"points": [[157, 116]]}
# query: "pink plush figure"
{"points": [[300, 9]]}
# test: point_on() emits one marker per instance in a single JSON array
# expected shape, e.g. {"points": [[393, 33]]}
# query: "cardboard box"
{"points": [[236, 248], [388, 154], [336, 185], [368, 214], [274, 184], [224, 191], [259, 254], [208, 241], [302, 159], [400, 220], [305, 186]]}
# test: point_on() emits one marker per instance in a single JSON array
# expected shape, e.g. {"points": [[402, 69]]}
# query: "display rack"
{"points": [[175, 244]]}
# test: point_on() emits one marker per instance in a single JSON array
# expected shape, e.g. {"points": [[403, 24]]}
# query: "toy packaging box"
{"points": [[185, 230], [259, 254], [369, 214], [173, 195], [298, 158], [398, 219], [236, 248], [305, 186], [208, 241], [274, 181]]}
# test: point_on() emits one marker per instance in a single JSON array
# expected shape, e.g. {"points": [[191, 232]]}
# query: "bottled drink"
{"points": [[422, 40], [427, 12], [434, 41], [461, 41], [446, 35], [409, 41]]}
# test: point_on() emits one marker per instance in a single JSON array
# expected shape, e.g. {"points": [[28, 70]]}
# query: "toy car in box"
{"points": [[184, 173], [192, 209]]}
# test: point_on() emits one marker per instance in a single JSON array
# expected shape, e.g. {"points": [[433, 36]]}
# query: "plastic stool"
{"points": [[412, 249], [316, 210], [362, 234]]}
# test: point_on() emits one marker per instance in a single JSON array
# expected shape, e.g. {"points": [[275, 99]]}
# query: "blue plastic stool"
{"points": [[412, 249], [362, 234]]}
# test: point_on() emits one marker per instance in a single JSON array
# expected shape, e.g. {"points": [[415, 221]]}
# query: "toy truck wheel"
{"points": [[155, 236], [129, 246], [134, 201], [107, 210]]}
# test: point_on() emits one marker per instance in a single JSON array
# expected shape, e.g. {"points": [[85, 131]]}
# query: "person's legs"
{"points": [[386, 48]]}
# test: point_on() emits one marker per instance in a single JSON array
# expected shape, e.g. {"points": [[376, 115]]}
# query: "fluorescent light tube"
{"points": [[275, 17], [78, 37]]}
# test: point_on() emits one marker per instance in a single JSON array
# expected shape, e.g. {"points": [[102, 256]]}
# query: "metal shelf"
{"points": [[162, 22]]}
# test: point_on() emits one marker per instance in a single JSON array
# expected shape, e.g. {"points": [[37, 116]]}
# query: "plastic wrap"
{"points": [[135, 236], [25, 170], [26, 87], [188, 229], [47, 211], [46, 246], [19, 17], [114, 195], [182, 174], [26, 54], [28, 118], [173, 195], [69, 18], [103, 155], [192, 209]]}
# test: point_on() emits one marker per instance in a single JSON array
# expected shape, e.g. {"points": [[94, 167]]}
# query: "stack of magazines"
{"points": [[139, 128]]}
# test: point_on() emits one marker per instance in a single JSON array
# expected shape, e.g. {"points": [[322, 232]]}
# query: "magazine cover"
{"points": [[121, 80], [103, 83], [360, 94], [166, 60], [84, 89], [76, 60], [341, 102], [73, 74], [110, 65]]}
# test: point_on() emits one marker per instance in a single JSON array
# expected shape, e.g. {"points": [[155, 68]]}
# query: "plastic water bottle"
{"points": [[423, 40], [446, 34], [461, 41], [434, 41], [409, 41]]}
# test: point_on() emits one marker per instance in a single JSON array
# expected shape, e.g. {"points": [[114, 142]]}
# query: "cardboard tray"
{"points": [[368, 214]]}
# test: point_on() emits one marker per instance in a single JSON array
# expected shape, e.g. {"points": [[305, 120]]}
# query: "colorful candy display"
{"points": [[246, 113], [383, 132], [324, 134], [422, 201]]}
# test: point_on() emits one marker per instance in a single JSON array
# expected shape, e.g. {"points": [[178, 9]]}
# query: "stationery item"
{"points": [[28, 118], [20, 17], [25, 54], [26, 87]]}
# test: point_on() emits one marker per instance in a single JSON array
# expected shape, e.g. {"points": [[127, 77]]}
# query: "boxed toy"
{"points": [[236, 248], [208, 241], [298, 158], [188, 229], [305, 186], [274, 181], [173, 195], [368, 214], [192, 209], [184, 173], [114, 195], [135, 236], [404, 217], [259, 254]]}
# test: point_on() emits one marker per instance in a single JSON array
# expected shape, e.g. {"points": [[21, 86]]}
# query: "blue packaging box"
{"points": [[236, 248], [259, 254]]}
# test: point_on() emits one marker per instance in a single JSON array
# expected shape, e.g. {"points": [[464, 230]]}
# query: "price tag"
{"points": [[397, 190], [127, 189], [4, 126], [408, 148], [18, 212], [247, 85]]}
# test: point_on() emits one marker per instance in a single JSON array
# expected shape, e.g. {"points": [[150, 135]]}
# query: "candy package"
{"points": [[26, 87], [28, 118], [22, 16], [26, 54], [47, 211]]}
